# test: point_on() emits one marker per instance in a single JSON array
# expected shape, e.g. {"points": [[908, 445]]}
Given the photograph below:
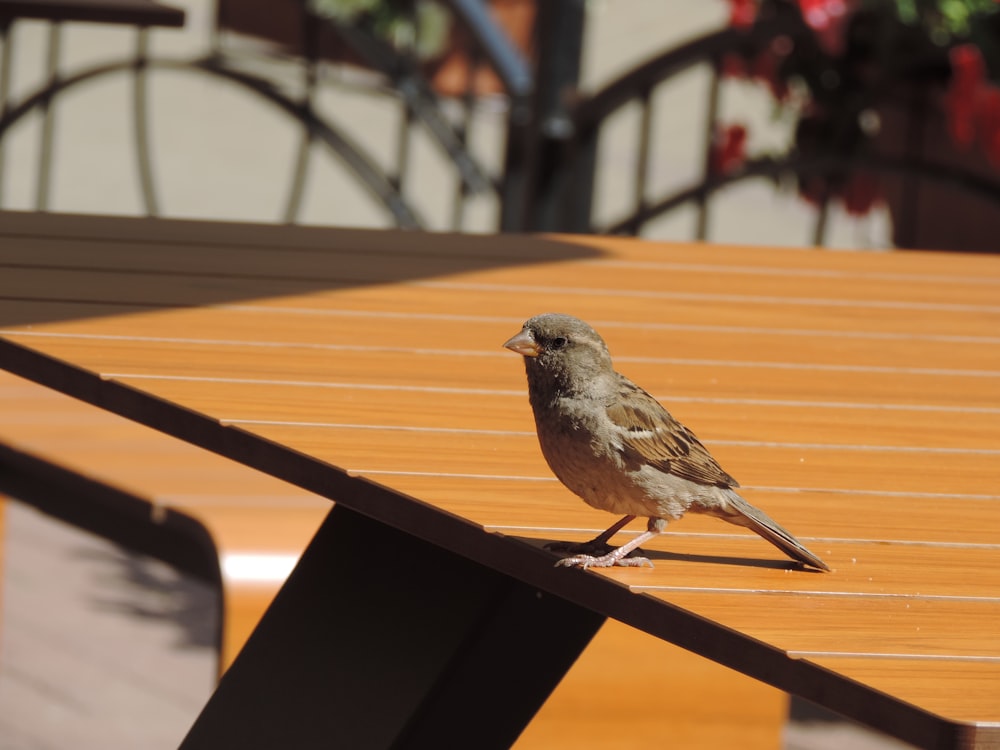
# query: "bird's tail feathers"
{"points": [[759, 522]]}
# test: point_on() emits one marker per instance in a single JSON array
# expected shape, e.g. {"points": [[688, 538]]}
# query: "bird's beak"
{"points": [[524, 343]]}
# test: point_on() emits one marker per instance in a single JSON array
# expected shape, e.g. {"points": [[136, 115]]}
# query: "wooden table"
{"points": [[854, 395]]}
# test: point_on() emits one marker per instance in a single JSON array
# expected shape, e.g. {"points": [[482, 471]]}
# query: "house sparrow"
{"points": [[616, 447]]}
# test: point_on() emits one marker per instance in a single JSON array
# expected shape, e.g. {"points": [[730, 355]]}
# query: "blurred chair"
{"points": [[140, 14], [435, 97]]}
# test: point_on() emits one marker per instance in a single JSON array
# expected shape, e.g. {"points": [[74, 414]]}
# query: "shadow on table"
{"points": [[62, 267], [754, 562]]}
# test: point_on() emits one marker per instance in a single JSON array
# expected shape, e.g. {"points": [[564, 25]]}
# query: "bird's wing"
{"points": [[651, 435]]}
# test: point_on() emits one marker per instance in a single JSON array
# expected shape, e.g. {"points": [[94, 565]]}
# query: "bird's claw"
{"points": [[596, 554], [603, 561]]}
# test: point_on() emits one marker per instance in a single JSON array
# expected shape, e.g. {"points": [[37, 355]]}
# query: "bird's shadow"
{"points": [[754, 562]]}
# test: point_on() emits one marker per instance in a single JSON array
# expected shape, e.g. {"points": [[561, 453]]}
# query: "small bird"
{"points": [[616, 447]]}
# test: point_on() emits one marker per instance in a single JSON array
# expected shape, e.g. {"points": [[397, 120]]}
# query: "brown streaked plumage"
{"points": [[616, 447]]}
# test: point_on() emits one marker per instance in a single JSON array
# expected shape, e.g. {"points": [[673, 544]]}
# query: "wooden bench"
{"points": [[211, 517], [854, 395]]}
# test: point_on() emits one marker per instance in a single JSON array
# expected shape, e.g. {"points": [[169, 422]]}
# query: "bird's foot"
{"points": [[607, 560]]}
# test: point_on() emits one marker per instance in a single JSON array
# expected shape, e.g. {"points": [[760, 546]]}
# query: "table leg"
{"points": [[378, 639]]}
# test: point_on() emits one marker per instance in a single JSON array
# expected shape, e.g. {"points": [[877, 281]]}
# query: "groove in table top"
{"points": [[597, 278], [716, 420], [259, 329], [294, 327], [215, 235], [539, 507], [508, 455], [543, 507], [435, 358], [317, 325], [307, 368], [361, 449], [571, 288], [360, 407], [876, 626], [541, 504]]}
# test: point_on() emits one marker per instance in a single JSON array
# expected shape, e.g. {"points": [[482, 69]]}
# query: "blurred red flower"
{"points": [[729, 149]]}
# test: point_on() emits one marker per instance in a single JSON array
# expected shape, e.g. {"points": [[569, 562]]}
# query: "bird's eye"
{"points": [[558, 343]]}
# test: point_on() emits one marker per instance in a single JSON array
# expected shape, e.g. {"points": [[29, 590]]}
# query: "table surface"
{"points": [[854, 395]]}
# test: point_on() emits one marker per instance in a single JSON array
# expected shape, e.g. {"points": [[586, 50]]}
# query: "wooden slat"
{"points": [[177, 247], [908, 626], [228, 328], [707, 565], [843, 299], [473, 374], [184, 479], [361, 451], [546, 507], [934, 683], [825, 423], [489, 296]]}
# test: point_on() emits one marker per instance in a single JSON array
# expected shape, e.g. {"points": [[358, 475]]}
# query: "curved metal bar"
{"points": [[48, 118], [711, 123], [420, 98], [143, 152], [6, 59], [590, 112], [770, 168], [296, 188], [353, 157], [26, 105], [350, 153]]}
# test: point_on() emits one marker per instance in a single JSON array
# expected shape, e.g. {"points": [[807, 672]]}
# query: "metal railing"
{"points": [[421, 108], [549, 169]]}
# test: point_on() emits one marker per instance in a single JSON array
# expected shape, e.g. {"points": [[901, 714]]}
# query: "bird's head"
{"points": [[562, 349]]}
